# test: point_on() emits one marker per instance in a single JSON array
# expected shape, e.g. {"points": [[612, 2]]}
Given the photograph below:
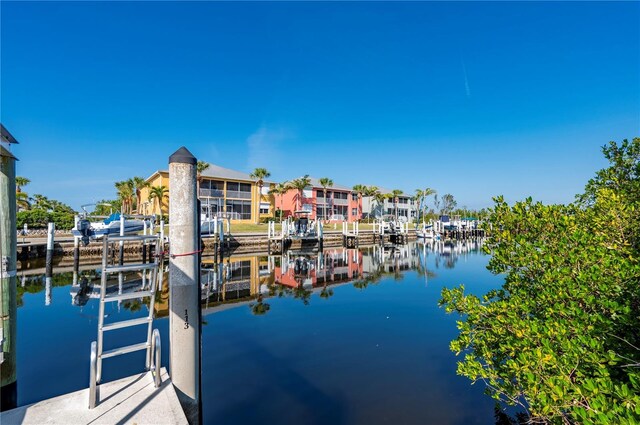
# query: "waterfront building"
{"points": [[222, 192], [372, 208], [340, 204]]}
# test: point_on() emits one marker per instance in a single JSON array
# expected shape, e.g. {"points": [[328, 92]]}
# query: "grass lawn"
{"points": [[262, 228]]}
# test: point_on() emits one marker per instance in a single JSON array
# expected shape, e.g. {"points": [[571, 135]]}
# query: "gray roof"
{"points": [[225, 173], [316, 183], [216, 171], [386, 191], [6, 136]]}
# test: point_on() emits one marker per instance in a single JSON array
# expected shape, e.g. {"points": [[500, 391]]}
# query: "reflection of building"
{"points": [[236, 279], [330, 266], [231, 193], [340, 204]]}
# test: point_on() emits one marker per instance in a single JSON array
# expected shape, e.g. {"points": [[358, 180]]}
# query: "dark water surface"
{"points": [[352, 337]]}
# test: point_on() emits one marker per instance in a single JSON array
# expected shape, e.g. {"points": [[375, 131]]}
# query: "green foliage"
{"points": [[44, 211], [561, 337], [107, 207]]}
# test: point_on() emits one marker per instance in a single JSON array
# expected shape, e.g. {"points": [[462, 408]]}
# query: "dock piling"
{"points": [[184, 311]]}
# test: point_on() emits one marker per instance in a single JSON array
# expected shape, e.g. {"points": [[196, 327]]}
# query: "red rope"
{"points": [[186, 253]]}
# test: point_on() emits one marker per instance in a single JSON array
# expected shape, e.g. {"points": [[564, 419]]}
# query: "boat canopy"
{"points": [[112, 217]]}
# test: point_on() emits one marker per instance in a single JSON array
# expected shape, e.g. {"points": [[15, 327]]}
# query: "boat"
{"points": [[426, 232], [86, 229]]}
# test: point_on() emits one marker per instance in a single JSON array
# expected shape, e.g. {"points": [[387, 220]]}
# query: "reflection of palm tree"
{"points": [[260, 307], [326, 292], [302, 293]]}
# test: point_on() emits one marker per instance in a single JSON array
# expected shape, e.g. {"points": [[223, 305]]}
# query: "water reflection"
{"points": [[253, 279], [326, 337]]}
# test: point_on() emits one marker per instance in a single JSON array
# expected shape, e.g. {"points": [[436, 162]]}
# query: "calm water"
{"points": [[348, 337]]}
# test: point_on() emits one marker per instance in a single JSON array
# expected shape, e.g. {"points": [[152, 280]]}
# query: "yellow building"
{"points": [[223, 192]]}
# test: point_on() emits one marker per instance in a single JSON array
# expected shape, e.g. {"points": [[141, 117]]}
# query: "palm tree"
{"points": [[419, 198], [22, 201], [125, 190], [158, 193], [259, 174], [139, 183], [325, 182], [299, 184], [395, 193], [41, 202], [279, 189], [201, 166], [380, 198], [426, 193], [20, 182], [360, 189]]}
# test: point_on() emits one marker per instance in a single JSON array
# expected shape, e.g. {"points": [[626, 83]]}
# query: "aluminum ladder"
{"points": [[148, 289]]}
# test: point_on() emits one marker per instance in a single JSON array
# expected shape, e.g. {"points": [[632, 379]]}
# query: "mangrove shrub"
{"points": [[561, 337]]}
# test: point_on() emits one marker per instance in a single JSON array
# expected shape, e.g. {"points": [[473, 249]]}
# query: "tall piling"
{"points": [[76, 247], [184, 299], [8, 277]]}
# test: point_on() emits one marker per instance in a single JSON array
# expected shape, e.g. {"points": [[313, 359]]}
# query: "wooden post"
{"points": [[184, 297]]}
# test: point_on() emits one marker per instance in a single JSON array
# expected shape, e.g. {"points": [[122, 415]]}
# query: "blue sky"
{"points": [[473, 99]]}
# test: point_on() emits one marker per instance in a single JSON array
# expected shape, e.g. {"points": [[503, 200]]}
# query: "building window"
{"points": [[264, 208], [239, 210], [354, 211], [211, 189], [238, 190], [340, 195], [320, 194], [354, 196], [342, 210]]}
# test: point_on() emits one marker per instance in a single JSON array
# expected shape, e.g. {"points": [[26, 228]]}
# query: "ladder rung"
{"points": [[128, 296], [125, 350], [126, 323], [130, 238], [129, 268]]}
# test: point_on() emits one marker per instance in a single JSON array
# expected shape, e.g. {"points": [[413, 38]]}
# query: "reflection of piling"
{"points": [[47, 290], [8, 284], [184, 296], [76, 248], [51, 228]]}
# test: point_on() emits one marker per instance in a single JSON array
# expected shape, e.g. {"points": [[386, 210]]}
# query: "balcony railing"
{"points": [[238, 195], [340, 201], [211, 193]]}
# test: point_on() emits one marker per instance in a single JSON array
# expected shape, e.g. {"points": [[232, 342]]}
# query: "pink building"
{"points": [[341, 203]]}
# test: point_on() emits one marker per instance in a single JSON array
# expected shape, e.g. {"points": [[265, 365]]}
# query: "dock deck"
{"points": [[131, 400]]}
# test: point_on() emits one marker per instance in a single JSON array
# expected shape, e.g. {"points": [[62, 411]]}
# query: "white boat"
{"points": [[109, 226]]}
